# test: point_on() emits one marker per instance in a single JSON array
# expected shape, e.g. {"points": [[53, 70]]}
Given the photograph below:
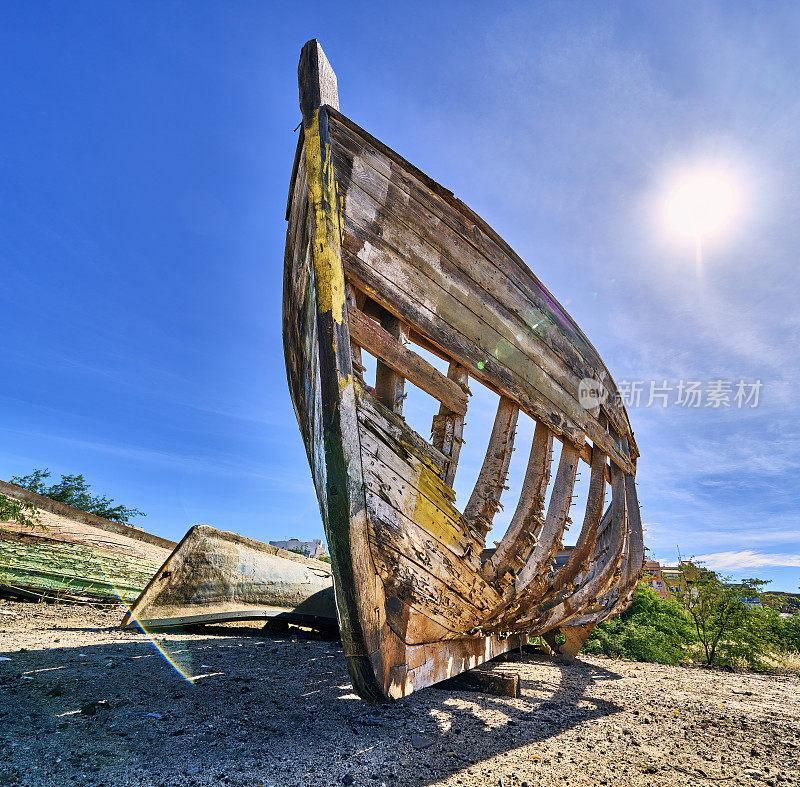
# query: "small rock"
{"points": [[420, 742], [347, 778], [89, 709]]}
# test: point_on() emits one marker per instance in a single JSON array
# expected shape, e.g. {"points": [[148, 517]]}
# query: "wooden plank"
{"points": [[395, 430], [77, 515], [634, 562], [389, 385], [429, 506], [423, 593], [447, 430], [355, 301], [316, 80], [50, 568], [587, 540], [393, 529], [483, 365], [485, 498], [376, 340], [450, 262], [462, 306], [74, 554], [620, 594], [598, 582]]}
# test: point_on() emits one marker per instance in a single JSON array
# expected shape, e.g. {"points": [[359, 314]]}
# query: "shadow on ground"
{"points": [[261, 710]]}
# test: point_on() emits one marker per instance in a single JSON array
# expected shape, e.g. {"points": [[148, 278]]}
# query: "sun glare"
{"points": [[701, 204]]}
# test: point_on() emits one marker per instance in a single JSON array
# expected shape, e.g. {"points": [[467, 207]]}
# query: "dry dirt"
{"points": [[83, 703]]}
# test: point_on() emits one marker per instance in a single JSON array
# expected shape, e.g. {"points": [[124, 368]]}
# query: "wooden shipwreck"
{"points": [[75, 556], [380, 258], [214, 576]]}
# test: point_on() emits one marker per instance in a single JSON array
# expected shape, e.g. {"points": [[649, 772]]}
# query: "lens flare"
{"points": [[182, 665]]}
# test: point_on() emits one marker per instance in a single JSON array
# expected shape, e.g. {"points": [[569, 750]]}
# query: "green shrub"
{"points": [[651, 629]]}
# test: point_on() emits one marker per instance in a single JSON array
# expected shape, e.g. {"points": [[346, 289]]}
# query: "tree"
{"points": [[722, 618], [74, 491], [20, 511]]}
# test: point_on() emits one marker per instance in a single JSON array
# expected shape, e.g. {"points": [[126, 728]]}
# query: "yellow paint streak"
{"points": [[323, 206], [434, 501]]}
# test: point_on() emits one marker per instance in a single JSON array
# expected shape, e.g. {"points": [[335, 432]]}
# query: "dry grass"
{"points": [[790, 661]]}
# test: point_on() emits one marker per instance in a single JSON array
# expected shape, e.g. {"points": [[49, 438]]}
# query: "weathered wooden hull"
{"points": [[377, 256], [214, 576], [75, 555]]}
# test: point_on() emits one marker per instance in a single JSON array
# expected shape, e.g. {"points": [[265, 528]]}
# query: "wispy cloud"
{"points": [[747, 558]]}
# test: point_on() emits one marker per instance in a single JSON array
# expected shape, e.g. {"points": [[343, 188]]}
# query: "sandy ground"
{"points": [[83, 703]]}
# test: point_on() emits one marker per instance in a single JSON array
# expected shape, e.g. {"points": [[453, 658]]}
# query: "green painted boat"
{"points": [[75, 556]]}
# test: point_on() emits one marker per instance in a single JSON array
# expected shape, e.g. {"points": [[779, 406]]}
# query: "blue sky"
{"points": [[146, 150]]}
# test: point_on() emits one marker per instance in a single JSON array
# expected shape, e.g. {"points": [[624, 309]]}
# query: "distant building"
{"points": [[308, 548], [652, 578]]}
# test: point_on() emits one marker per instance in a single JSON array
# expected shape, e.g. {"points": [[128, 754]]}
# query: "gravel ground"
{"points": [[81, 702]]}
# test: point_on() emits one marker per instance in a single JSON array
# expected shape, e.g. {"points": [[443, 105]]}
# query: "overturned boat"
{"points": [[380, 258], [71, 555], [214, 576]]}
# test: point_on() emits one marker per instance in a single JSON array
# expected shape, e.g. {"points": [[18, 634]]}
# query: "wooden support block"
{"points": [[575, 638], [487, 680]]}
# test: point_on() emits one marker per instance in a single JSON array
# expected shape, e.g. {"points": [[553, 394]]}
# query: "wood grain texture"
{"points": [[536, 567], [389, 384]]}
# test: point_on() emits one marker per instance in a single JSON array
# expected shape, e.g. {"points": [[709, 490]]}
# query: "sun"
{"points": [[701, 204]]}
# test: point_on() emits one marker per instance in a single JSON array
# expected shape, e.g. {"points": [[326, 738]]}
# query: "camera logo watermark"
{"points": [[716, 394]]}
